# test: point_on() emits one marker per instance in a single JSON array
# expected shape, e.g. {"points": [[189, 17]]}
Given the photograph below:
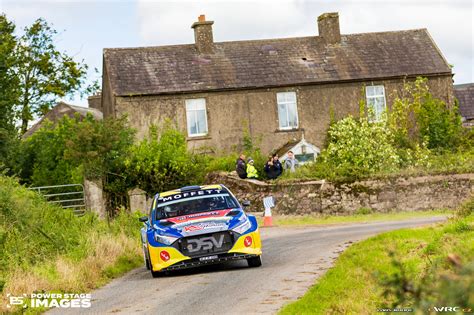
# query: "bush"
{"points": [[160, 163], [359, 144], [418, 118], [419, 135]]}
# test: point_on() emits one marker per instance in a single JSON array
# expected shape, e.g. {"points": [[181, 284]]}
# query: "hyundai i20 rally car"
{"points": [[198, 225]]}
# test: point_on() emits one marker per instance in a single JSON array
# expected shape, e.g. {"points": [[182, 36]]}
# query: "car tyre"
{"points": [[147, 260], [254, 261], [148, 264]]}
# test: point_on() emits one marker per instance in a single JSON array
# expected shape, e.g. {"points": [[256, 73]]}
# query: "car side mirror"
{"points": [[143, 219], [245, 203]]}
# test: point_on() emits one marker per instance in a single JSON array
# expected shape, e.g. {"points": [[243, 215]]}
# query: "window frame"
{"points": [[195, 111], [286, 103], [377, 116]]}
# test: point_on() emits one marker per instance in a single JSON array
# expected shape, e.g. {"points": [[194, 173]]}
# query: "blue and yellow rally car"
{"points": [[198, 225]]}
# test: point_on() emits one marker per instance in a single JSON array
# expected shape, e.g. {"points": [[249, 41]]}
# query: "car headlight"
{"points": [[243, 227], [167, 240]]}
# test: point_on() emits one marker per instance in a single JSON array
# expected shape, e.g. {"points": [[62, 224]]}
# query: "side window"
{"points": [[375, 96], [287, 110], [196, 117]]}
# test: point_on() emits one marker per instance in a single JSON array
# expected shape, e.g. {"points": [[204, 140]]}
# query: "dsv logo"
{"points": [[204, 243]]}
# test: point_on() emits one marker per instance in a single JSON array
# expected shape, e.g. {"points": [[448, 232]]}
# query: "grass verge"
{"points": [[419, 268], [362, 217], [48, 249]]}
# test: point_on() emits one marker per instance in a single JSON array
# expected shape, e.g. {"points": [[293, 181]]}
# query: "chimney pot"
{"points": [[203, 38], [328, 27]]}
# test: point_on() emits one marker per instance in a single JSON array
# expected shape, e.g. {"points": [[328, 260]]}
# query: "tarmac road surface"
{"points": [[293, 259]]}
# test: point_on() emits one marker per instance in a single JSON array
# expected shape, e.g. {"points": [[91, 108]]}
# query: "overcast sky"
{"points": [[89, 26]]}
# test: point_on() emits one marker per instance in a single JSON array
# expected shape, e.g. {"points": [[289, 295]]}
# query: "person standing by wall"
{"points": [[241, 167], [291, 163]]}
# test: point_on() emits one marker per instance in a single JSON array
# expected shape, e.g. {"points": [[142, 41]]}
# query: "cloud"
{"points": [[450, 23]]}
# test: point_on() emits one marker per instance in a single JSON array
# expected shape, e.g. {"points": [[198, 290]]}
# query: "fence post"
{"points": [[138, 200], [94, 197]]}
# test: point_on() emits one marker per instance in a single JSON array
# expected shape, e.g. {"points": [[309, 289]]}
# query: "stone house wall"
{"points": [[322, 197], [229, 111]]}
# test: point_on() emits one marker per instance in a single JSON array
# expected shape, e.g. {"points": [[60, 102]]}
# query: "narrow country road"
{"points": [[293, 258]]}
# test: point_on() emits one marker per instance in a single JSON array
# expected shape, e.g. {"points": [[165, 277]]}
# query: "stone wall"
{"points": [[230, 112], [322, 197]]}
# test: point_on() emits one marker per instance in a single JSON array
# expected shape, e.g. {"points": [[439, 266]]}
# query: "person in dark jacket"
{"points": [[241, 167], [273, 167]]}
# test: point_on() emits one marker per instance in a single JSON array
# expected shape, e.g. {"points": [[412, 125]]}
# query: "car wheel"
{"points": [[148, 264], [147, 260], [254, 261]]}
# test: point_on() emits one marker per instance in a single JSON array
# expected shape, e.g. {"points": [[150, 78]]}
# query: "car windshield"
{"points": [[196, 204]]}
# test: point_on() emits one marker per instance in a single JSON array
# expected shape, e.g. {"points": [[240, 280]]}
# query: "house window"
{"points": [[375, 95], [196, 117], [287, 111]]}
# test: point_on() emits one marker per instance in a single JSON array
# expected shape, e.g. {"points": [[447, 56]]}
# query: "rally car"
{"points": [[198, 225]]}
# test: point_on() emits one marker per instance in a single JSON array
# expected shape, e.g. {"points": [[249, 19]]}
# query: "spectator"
{"points": [[273, 167], [240, 166], [251, 170], [291, 162]]}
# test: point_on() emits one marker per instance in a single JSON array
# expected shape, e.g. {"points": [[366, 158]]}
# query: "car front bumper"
{"points": [[174, 259]]}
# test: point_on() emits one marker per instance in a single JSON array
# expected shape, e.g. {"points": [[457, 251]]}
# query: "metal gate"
{"points": [[69, 196]]}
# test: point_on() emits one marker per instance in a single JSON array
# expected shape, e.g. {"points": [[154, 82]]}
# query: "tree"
{"points": [[44, 73], [8, 86], [99, 146], [65, 152]]}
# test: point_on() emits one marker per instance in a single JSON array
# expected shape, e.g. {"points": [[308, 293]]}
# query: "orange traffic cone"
{"points": [[267, 219]]}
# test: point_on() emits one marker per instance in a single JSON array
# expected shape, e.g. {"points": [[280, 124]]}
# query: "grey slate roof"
{"points": [[59, 111], [272, 62], [465, 95]]}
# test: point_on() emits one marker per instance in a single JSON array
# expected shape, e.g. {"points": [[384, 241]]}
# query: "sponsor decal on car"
{"points": [[183, 195], [201, 215], [164, 255], [205, 243], [203, 226], [248, 241]]}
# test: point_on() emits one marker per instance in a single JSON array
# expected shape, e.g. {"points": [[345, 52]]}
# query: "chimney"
{"points": [[203, 35], [328, 27], [95, 101]]}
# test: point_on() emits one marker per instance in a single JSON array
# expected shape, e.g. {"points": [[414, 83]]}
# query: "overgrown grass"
{"points": [[362, 216], [47, 248], [405, 268]]}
